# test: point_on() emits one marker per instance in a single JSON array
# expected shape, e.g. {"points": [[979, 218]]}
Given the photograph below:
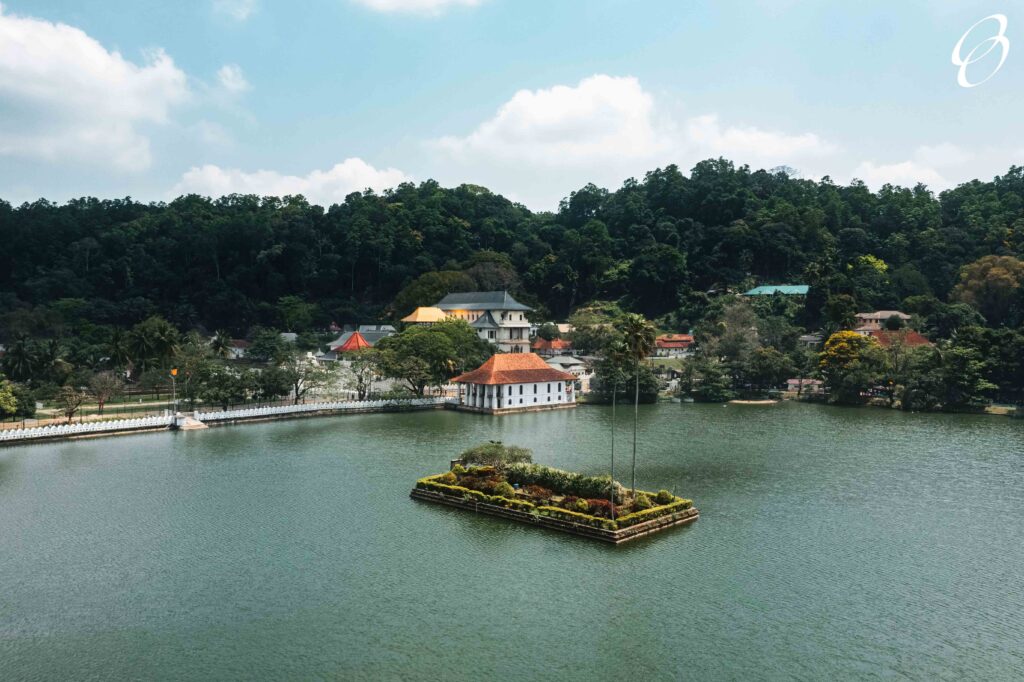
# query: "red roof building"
{"points": [[885, 338], [672, 345], [552, 347], [353, 343], [515, 382]]}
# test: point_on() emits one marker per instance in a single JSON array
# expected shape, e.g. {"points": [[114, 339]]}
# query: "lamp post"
{"points": [[174, 391]]}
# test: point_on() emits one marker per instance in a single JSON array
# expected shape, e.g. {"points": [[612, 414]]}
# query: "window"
{"points": [[490, 334], [520, 389], [559, 386], [549, 388], [535, 390], [510, 390]]}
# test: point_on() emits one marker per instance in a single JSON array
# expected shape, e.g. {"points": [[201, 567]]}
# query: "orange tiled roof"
{"points": [[553, 344], [513, 368], [911, 339], [354, 342], [425, 314], [674, 341]]}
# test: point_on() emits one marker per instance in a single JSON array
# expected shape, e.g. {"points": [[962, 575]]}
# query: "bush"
{"points": [[642, 501], [653, 513], [602, 508], [564, 482], [664, 497], [538, 492], [576, 517], [504, 490], [449, 478], [496, 454], [582, 506], [459, 470]]}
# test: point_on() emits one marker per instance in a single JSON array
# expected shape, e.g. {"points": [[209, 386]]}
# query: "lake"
{"points": [[832, 543]]}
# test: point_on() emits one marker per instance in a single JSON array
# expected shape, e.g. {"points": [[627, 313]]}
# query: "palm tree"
{"points": [[639, 335], [118, 350], [616, 352], [220, 344], [20, 360]]}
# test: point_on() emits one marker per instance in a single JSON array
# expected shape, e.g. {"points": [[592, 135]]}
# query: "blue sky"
{"points": [[532, 99]]}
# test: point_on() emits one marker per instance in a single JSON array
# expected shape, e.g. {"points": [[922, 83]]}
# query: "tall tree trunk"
{"points": [[611, 487], [636, 420]]}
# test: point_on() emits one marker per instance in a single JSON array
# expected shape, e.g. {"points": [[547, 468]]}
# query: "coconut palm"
{"points": [[220, 344], [638, 334], [118, 350], [616, 352], [21, 360]]}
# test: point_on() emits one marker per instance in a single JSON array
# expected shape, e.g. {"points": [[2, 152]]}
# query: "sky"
{"points": [[532, 99]]}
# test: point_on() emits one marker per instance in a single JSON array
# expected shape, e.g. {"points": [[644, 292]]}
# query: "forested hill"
{"points": [[656, 246]]}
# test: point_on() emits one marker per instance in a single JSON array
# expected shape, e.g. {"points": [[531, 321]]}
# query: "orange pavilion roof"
{"points": [[354, 342], [513, 368]]}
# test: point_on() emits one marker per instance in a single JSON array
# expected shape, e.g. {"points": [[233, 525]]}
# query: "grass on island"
{"points": [[506, 476]]}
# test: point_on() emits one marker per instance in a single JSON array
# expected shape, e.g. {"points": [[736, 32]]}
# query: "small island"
{"points": [[503, 481]]}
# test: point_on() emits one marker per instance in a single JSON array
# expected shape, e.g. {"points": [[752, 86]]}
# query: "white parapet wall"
{"points": [[347, 406], [71, 430]]}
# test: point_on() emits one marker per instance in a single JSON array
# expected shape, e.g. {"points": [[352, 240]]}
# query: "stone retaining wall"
{"points": [[611, 536]]}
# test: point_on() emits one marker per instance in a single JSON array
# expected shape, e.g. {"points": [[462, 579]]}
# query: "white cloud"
{"points": [[322, 187], [66, 97], [543, 143], [239, 10], [602, 118], [232, 80], [416, 6], [905, 173]]}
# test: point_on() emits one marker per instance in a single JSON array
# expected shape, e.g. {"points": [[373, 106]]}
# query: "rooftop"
{"points": [[785, 289], [481, 300], [883, 315], [553, 344], [485, 321], [911, 338], [565, 361], [425, 314], [513, 368]]}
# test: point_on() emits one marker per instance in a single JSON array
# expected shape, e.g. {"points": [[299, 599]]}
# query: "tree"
{"points": [[429, 356], [221, 386], [767, 368], [294, 313], [840, 312], [548, 331], [68, 400], [993, 285], [638, 335], [19, 362], [305, 375], [153, 342], [220, 344], [272, 382], [850, 365], [8, 399], [363, 368], [268, 346], [103, 386]]}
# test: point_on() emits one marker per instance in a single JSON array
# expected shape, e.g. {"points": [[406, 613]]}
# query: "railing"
{"points": [[66, 430], [319, 407]]}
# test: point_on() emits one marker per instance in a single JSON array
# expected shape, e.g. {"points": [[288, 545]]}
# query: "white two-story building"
{"points": [[515, 382], [495, 315]]}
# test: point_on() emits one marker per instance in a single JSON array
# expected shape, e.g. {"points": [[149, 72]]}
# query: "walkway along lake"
{"points": [[832, 542]]}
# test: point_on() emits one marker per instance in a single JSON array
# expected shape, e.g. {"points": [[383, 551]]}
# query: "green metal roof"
{"points": [[787, 289]]}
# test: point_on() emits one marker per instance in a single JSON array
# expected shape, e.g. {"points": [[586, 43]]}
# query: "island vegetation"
{"points": [[92, 287], [504, 476]]}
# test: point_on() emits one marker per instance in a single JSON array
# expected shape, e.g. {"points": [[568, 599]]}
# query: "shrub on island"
{"points": [[565, 482]]}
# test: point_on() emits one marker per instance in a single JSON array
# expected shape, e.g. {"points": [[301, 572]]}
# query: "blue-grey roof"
{"points": [[485, 321], [787, 289], [481, 300]]}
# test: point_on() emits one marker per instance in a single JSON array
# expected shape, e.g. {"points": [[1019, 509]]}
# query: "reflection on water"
{"points": [[832, 543]]}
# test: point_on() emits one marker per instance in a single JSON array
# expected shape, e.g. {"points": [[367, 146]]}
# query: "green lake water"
{"points": [[832, 544]]}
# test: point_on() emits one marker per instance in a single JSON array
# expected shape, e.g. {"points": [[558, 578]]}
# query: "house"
{"points": [[805, 386], [909, 337], [364, 328], [237, 349], [877, 319], [515, 382], [495, 315], [550, 348], [673, 345], [811, 340], [784, 289], [425, 315], [289, 337], [576, 367], [370, 338]]}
